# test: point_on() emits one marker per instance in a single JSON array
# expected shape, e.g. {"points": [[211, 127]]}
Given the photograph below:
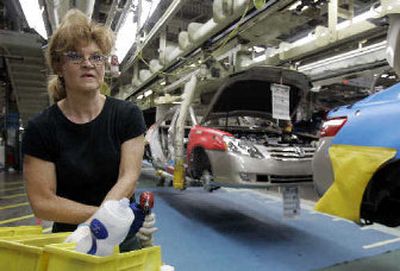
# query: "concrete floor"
{"points": [[240, 229]]}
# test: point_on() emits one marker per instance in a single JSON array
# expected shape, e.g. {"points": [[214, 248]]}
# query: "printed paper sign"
{"points": [[280, 101], [291, 201]]}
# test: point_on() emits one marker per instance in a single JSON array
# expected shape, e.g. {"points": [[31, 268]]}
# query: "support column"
{"points": [[332, 18]]}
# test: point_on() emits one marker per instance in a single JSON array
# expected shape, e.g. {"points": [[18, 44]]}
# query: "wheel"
{"points": [[206, 179], [201, 169], [382, 197]]}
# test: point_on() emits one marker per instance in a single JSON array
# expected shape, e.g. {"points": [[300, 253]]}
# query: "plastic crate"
{"points": [[61, 258], [25, 253], [47, 252], [20, 230]]}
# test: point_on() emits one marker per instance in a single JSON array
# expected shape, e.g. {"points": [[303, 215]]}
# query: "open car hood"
{"points": [[250, 90]]}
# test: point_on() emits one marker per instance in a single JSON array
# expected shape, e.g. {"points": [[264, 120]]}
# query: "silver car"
{"points": [[237, 143]]}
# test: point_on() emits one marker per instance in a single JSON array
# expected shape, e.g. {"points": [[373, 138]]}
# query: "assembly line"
{"points": [[253, 234], [165, 135]]}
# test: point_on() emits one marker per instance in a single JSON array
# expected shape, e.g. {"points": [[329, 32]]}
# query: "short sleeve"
{"points": [[133, 124], [34, 143]]}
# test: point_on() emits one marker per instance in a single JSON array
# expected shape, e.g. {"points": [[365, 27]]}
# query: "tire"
{"points": [[382, 197], [206, 179], [201, 169], [198, 163]]}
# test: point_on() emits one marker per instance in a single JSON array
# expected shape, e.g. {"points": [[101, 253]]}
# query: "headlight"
{"points": [[242, 147]]}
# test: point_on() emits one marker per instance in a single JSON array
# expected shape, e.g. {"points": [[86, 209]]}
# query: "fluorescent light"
{"points": [[140, 97], [148, 93], [362, 17], [258, 49], [358, 52], [148, 8], [126, 36], [312, 37], [33, 15], [294, 6], [316, 89]]}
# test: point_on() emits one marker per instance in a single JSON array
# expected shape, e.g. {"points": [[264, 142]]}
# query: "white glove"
{"points": [[145, 233], [81, 232]]}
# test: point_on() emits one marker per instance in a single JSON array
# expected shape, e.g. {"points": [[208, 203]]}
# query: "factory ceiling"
{"points": [[287, 25]]}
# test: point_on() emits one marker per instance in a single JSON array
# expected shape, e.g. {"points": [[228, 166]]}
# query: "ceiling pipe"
{"points": [[123, 15], [56, 9], [86, 6], [112, 13]]}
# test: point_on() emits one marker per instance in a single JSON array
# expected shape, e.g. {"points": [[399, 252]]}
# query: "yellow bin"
{"points": [[47, 252], [25, 253], [20, 230], [60, 258]]}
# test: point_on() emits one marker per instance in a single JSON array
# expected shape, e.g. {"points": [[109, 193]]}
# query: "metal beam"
{"points": [[112, 12]]}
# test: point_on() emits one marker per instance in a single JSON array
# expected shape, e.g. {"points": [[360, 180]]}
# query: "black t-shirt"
{"points": [[86, 156]]}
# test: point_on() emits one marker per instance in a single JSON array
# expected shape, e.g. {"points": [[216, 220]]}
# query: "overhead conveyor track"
{"points": [[232, 36]]}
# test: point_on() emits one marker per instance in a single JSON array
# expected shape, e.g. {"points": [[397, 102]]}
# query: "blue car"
{"points": [[356, 166]]}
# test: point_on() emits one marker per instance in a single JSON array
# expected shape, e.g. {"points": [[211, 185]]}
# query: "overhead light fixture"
{"points": [[258, 49], [126, 36], [355, 53], [312, 37], [140, 97], [34, 17], [148, 93], [316, 89], [297, 4], [360, 18], [148, 8], [294, 6]]}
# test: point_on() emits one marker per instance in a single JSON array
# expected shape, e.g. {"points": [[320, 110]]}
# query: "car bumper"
{"points": [[231, 169]]}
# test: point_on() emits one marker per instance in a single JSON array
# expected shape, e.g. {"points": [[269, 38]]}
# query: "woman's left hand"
{"points": [[145, 233]]}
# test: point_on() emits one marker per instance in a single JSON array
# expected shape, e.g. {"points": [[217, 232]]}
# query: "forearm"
{"points": [[40, 185], [125, 187], [129, 170], [59, 209]]}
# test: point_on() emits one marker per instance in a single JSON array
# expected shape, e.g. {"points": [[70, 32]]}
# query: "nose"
{"points": [[87, 63]]}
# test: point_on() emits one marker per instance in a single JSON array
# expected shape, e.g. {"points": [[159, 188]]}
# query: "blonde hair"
{"points": [[75, 29]]}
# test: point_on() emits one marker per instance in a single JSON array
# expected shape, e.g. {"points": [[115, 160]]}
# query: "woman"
{"points": [[86, 148]]}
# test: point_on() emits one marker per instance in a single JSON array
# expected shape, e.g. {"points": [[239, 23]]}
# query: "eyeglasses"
{"points": [[77, 58]]}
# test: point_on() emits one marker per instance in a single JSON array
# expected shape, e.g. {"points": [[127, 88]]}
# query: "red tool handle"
{"points": [[146, 201]]}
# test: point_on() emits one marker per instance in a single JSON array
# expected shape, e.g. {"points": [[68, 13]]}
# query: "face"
{"points": [[83, 69]]}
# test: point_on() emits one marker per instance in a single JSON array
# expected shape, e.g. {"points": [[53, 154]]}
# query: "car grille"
{"points": [[291, 153], [283, 179]]}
